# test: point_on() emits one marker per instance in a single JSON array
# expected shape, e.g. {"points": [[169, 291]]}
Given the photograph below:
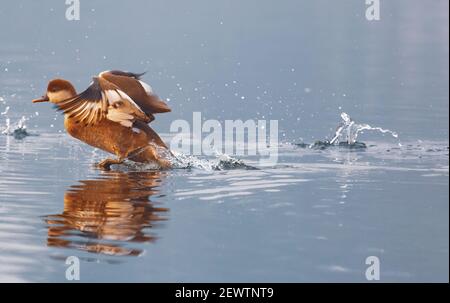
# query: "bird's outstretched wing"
{"points": [[138, 90], [103, 100]]}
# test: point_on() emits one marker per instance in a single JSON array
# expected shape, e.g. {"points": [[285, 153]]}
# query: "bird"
{"points": [[113, 114]]}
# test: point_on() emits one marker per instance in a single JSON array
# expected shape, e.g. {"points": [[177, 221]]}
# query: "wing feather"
{"points": [[102, 100], [140, 92]]}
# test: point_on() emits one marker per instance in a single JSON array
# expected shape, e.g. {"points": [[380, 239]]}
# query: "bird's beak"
{"points": [[41, 99]]}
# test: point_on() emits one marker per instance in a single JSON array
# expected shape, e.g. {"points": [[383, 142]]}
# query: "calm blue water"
{"points": [[315, 216]]}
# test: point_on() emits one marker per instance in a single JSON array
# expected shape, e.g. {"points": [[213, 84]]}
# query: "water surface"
{"points": [[314, 216]]}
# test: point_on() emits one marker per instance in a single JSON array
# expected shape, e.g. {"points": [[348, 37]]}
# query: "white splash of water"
{"points": [[348, 130], [183, 161], [5, 112], [180, 160], [18, 129]]}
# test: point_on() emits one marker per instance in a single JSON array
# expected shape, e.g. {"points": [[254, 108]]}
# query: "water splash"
{"points": [[321, 145], [221, 162], [347, 131], [180, 160], [18, 130], [4, 113], [183, 161], [346, 134]]}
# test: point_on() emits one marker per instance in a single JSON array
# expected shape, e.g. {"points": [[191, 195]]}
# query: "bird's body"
{"points": [[116, 139], [113, 115]]}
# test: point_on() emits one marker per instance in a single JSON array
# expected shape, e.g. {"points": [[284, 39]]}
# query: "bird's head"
{"points": [[57, 91]]}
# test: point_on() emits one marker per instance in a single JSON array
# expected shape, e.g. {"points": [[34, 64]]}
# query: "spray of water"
{"points": [[18, 129], [347, 131], [183, 161], [221, 162]]}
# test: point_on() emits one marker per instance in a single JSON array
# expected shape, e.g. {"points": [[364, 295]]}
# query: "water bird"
{"points": [[112, 114]]}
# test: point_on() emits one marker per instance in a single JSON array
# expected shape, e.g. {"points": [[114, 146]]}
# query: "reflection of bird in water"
{"points": [[101, 215]]}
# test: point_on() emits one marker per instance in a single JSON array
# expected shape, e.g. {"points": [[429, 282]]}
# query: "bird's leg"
{"points": [[164, 164], [149, 154], [106, 164]]}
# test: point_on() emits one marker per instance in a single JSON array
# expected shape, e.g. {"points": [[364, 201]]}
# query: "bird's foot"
{"points": [[106, 164], [164, 164]]}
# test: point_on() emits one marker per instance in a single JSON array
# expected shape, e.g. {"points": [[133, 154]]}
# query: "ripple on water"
{"points": [[104, 215]]}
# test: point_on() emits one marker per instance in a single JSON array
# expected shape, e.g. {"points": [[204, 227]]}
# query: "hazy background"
{"points": [[314, 217], [301, 62]]}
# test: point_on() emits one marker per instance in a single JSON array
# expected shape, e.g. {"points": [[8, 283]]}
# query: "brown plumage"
{"points": [[112, 114], [147, 101]]}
